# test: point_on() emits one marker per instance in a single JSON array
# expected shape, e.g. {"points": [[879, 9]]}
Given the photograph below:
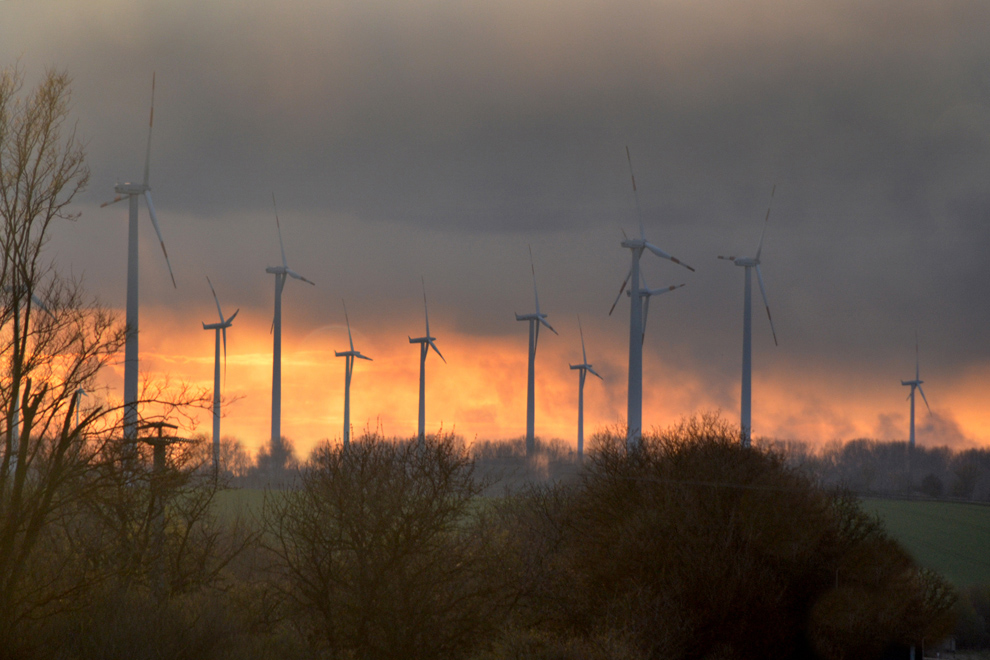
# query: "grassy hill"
{"points": [[950, 537]]}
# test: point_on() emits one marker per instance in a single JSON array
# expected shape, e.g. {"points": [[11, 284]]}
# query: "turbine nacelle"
{"points": [[586, 367], [127, 189], [747, 262], [220, 326], [537, 316], [356, 354]]}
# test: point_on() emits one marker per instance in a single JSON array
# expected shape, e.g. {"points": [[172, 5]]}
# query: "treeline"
{"points": [[874, 467]]}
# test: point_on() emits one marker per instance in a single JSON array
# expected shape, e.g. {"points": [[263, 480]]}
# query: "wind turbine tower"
{"points": [[220, 329], [635, 391], [280, 273], [915, 385], [583, 370], [535, 320], [750, 264], [132, 192], [425, 344], [348, 372]]}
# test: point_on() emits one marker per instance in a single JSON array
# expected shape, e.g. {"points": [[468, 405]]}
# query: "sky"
{"points": [[439, 141]]}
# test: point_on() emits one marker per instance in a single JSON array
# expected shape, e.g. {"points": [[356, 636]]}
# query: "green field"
{"points": [[950, 537]]}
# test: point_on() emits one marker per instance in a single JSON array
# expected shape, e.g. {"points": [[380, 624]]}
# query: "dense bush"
{"points": [[695, 546]]}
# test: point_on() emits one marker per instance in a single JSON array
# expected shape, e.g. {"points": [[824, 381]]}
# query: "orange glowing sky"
{"points": [[480, 392]]}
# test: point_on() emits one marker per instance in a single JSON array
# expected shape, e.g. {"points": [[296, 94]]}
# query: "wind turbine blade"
{"points": [[532, 267], [621, 289], [363, 357], [765, 222], [727, 258], [114, 200], [763, 290], [223, 331], [426, 309], [437, 351], [584, 354], [639, 213], [297, 276], [917, 358], [925, 399], [546, 323], [154, 221], [659, 292], [348, 320], [217, 300], [593, 371], [660, 253], [278, 226], [40, 305], [151, 123], [232, 317]]}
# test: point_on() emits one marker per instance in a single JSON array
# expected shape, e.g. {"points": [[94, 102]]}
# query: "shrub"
{"points": [[696, 546]]}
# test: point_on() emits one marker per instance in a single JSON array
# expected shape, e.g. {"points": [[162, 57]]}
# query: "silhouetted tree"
{"points": [[375, 552], [695, 546]]}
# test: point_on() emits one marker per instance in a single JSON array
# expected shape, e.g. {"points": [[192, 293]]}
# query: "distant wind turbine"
{"points": [[750, 263], [635, 391], [535, 319], [132, 192], [79, 394], [348, 372], [220, 329], [425, 344], [583, 370], [915, 385], [646, 293], [280, 272]]}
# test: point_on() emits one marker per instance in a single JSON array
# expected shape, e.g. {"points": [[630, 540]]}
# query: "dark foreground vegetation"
{"points": [[690, 548]]}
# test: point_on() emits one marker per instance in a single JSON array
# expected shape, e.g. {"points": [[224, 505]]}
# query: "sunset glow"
{"points": [[480, 393]]}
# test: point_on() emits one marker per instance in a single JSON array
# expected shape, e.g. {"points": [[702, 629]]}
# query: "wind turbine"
{"points": [[915, 385], [583, 370], [425, 344], [220, 329], [635, 392], [132, 192], [751, 263], [280, 273], [348, 372], [535, 319], [646, 293]]}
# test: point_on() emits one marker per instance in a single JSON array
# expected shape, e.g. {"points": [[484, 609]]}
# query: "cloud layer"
{"points": [[440, 139]]}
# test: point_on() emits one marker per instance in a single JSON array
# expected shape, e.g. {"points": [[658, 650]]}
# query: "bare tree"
{"points": [[52, 343], [373, 552]]}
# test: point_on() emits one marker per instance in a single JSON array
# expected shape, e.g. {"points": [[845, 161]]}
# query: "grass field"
{"points": [[950, 537]]}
